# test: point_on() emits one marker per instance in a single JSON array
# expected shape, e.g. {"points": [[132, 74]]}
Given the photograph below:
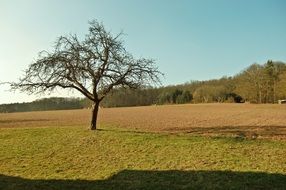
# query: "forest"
{"points": [[54, 103], [258, 83]]}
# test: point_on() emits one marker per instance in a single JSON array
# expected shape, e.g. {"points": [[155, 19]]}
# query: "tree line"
{"points": [[262, 83], [54, 103], [257, 83]]}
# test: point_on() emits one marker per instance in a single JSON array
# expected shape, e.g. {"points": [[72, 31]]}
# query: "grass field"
{"points": [[157, 147]]}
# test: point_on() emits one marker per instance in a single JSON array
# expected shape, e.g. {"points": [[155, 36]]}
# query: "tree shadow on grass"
{"points": [[243, 131], [249, 132], [162, 180], [122, 130]]}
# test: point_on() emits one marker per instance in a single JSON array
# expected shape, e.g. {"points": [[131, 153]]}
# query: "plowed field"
{"points": [[239, 120]]}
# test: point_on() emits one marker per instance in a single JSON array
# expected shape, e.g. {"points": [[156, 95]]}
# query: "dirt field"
{"points": [[242, 120]]}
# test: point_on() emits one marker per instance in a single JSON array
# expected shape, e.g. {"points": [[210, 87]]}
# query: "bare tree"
{"points": [[93, 66]]}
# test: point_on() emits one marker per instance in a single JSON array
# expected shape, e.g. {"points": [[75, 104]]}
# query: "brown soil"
{"points": [[240, 120]]}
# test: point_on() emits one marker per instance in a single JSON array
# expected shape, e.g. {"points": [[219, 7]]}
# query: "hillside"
{"points": [[256, 84]]}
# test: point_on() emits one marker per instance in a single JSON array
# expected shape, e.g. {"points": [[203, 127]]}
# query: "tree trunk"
{"points": [[274, 92], [94, 114]]}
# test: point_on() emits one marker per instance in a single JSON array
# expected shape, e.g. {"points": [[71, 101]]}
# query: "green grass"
{"points": [[76, 158]]}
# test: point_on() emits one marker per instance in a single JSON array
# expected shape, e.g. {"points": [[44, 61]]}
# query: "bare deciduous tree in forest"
{"points": [[262, 83], [93, 66]]}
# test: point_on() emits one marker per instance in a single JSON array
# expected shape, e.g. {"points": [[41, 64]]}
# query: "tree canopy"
{"points": [[93, 66]]}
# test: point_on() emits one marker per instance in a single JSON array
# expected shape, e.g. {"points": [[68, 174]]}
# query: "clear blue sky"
{"points": [[190, 39]]}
